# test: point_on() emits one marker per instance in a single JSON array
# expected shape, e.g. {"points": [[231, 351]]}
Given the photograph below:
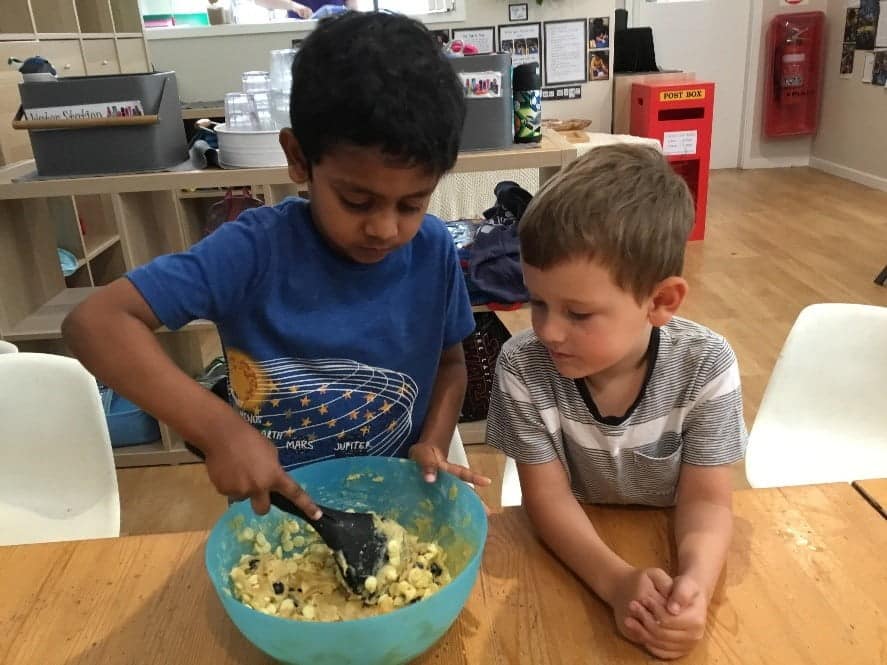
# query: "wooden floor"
{"points": [[776, 241]]}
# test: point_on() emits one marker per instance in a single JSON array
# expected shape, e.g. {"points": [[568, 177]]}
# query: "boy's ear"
{"points": [[667, 298], [299, 169]]}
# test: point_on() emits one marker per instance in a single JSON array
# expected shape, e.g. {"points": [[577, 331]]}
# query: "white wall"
{"points": [[852, 137], [757, 151], [208, 67]]}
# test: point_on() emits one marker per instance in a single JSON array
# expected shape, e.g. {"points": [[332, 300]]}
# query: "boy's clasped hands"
{"points": [[664, 614]]}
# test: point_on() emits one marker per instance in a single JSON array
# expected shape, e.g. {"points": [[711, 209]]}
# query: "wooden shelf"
{"points": [[553, 152], [148, 454], [96, 244], [46, 322], [17, 37], [59, 35], [202, 194]]}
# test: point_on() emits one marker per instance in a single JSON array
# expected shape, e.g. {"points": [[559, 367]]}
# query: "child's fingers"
{"points": [[261, 503], [635, 631], [663, 637], [657, 609], [294, 492], [466, 474], [661, 580]]}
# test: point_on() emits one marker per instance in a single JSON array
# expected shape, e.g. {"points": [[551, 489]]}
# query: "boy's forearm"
{"points": [[124, 353], [447, 396], [565, 528], [703, 530]]}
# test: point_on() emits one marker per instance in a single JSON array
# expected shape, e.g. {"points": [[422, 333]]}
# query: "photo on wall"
{"points": [[598, 33], [850, 25], [879, 70], [867, 24], [848, 52], [599, 65]]}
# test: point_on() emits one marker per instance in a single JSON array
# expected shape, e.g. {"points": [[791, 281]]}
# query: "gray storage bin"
{"points": [[489, 122], [152, 142]]}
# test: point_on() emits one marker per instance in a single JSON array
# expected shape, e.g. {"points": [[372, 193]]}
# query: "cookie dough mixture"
{"points": [[306, 585]]}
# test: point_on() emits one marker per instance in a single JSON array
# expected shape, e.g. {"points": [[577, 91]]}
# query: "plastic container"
{"points": [[527, 83], [489, 119], [154, 142], [128, 425], [447, 511], [249, 149]]}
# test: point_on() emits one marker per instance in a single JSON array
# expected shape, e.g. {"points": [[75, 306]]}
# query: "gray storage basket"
{"points": [[489, 123], [151, 142]]}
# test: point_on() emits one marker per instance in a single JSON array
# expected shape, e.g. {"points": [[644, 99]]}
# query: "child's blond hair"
{"points": [[620, 205]]}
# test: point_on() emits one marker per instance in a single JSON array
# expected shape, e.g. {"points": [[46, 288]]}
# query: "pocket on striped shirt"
{"points": [[656, 478]]}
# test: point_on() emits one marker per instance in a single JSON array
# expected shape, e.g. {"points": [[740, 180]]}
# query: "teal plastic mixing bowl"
{"points": [[447, 511]]}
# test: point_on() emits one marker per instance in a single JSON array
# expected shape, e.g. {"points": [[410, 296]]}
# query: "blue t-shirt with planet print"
{"points": [[326, 357]]}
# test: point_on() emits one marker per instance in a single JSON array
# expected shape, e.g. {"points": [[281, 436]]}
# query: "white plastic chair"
{"points": [[823, 417], [57, 476], [7, 347], [511, 492]]}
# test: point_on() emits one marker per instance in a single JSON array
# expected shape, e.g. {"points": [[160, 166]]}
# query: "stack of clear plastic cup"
{"points": [[255, 81], [281, 84], [281, 71], [239, 112], [261, 103]]}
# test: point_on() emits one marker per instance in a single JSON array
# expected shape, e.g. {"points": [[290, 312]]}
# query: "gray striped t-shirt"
{"points": [[689, 411]]}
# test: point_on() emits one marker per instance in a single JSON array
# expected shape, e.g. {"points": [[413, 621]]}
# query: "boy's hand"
{"points": [[631, 593], [246, 465], [431, 460], [676, 625]]}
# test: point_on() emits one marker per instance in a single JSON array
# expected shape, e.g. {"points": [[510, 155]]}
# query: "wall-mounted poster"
{"points": [[565, 51], [522, 41], [482, 38]]}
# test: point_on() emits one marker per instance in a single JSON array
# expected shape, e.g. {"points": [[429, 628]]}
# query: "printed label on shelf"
{"points": [[114, 109]]}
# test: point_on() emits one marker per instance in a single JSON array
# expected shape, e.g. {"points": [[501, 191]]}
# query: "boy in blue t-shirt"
{"points": [[342, 318]]}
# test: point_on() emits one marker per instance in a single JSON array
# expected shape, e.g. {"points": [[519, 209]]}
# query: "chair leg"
{"points": [[881, 279]]}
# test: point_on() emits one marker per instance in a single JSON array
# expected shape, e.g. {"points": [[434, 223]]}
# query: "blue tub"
{"points": [[448, 511]]}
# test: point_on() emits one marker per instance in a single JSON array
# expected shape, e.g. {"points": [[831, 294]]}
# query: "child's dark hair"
{"points": [[377, 79]]}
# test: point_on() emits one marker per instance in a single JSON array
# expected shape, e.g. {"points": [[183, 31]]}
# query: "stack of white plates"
{"points": [[245, 149]]}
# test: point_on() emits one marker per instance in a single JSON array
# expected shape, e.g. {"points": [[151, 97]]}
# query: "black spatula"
{"points": [[360, 549]]}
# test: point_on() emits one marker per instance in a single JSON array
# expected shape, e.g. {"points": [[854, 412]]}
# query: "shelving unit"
{"points": [[115, 223], [79, 37]]}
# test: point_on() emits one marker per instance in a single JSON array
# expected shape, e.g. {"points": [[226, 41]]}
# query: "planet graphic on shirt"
{"points": [[323, 407], [247, 380]]}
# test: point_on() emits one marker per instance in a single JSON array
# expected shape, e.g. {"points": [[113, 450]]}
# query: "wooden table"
{"points": [[875, 492], [804, 584]]}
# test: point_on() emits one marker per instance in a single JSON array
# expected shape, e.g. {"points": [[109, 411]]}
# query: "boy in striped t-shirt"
{"points": [[613, 399]]}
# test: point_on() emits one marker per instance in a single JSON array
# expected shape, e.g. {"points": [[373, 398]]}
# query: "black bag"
{"points": [[481, 353]]}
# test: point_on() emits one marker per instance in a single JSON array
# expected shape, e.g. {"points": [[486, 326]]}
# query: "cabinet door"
{"points": [[65, 56], [100, 56], [133, 58]]}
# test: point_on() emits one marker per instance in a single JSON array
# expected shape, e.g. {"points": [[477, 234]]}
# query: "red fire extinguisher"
{"points": [[794, 60], [793, 65]]}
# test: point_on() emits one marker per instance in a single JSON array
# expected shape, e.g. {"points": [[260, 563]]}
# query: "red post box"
{"points": [[679, 116]]}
